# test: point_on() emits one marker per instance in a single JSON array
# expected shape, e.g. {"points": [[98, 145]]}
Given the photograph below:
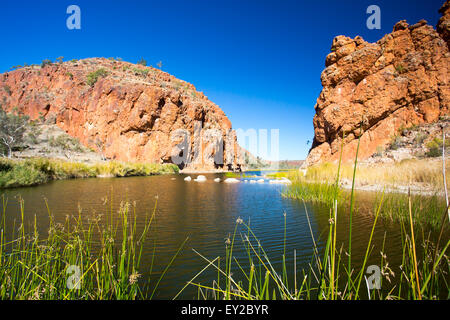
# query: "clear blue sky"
{"points": [[260, 61]]}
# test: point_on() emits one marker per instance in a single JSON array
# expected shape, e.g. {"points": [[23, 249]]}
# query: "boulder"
{"points": [[200, 178], [231, 180]]}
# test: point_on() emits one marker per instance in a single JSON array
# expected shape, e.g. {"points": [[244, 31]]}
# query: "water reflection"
{"points": [[206, 213]]}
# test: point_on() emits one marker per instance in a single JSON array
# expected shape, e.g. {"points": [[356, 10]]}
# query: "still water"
{"points": [[206, 214]]}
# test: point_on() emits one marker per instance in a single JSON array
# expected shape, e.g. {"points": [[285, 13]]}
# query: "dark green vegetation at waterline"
{"points": [[29, 172]]}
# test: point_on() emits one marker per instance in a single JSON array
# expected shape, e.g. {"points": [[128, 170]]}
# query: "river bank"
{"points": [[35, 171]]}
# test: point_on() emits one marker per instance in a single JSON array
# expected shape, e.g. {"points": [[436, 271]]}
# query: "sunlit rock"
{"points": [[200, 178], [231, 180]]}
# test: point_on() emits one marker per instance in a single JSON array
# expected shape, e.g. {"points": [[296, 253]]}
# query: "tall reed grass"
{"points": [[98, 259], [328, 276], [324, 188], [331, 274]]}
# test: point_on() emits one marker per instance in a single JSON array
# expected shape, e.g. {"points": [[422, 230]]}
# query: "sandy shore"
{"points": [[416, 189]]}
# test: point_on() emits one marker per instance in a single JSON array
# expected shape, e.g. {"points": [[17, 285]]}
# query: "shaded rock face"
{"points": [[443, 26], [374, 89], [134, 113]]}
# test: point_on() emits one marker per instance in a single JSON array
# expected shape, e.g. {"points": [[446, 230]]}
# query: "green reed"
{"points": [[328, 276], [319, 192], [96, 258]]}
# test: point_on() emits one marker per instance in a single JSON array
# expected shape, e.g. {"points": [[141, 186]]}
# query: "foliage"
{"points": [[15, 173], [33, 132], [106, 252], [65, 142], [400, 69], [395, 143], [329, 277], [7, 89], [46, 62], [140, 72], [21, 175], [435, 147], [12, 129], [93, 77], [142, 62], [420, 138]]}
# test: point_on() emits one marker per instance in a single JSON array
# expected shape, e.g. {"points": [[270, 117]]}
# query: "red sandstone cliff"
{"points": [[131, 114], [401, 80]]}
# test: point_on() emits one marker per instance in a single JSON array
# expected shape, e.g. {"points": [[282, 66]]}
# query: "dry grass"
{"points": [[425, 172]]}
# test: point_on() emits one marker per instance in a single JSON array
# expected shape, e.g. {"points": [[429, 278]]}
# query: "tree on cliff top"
{"points": [[12, 129]]}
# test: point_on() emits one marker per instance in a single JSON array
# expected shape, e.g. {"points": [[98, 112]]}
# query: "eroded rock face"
{"points": [[374, 89], [131, 114]]}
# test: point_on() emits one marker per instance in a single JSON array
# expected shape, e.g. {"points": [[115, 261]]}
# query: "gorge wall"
{"points": [[371, 90], [130, 113]]}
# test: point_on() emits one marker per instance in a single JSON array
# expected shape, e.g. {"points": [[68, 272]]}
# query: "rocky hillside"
{"points": [[373, 90], [124, 111]]}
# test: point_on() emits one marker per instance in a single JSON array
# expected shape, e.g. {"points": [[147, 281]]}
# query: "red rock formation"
{"points": [[401, 80], [443, 26], [131, 114]]}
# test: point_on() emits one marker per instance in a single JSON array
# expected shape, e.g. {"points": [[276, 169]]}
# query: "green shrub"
{"points": [[65, 142], [435, 147], [22, 175], [7, 89], [142, 62], [46, 62], [140, 72], [93, 77], [400, 69], [396, 143], [419, 139]]}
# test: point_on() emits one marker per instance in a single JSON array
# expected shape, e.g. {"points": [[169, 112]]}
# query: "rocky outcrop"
{"points": [[372, 90], [126, 112], [443, 26]]}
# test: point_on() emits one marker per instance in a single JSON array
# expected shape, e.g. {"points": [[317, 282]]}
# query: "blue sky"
{"points": [[260, 61]]}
